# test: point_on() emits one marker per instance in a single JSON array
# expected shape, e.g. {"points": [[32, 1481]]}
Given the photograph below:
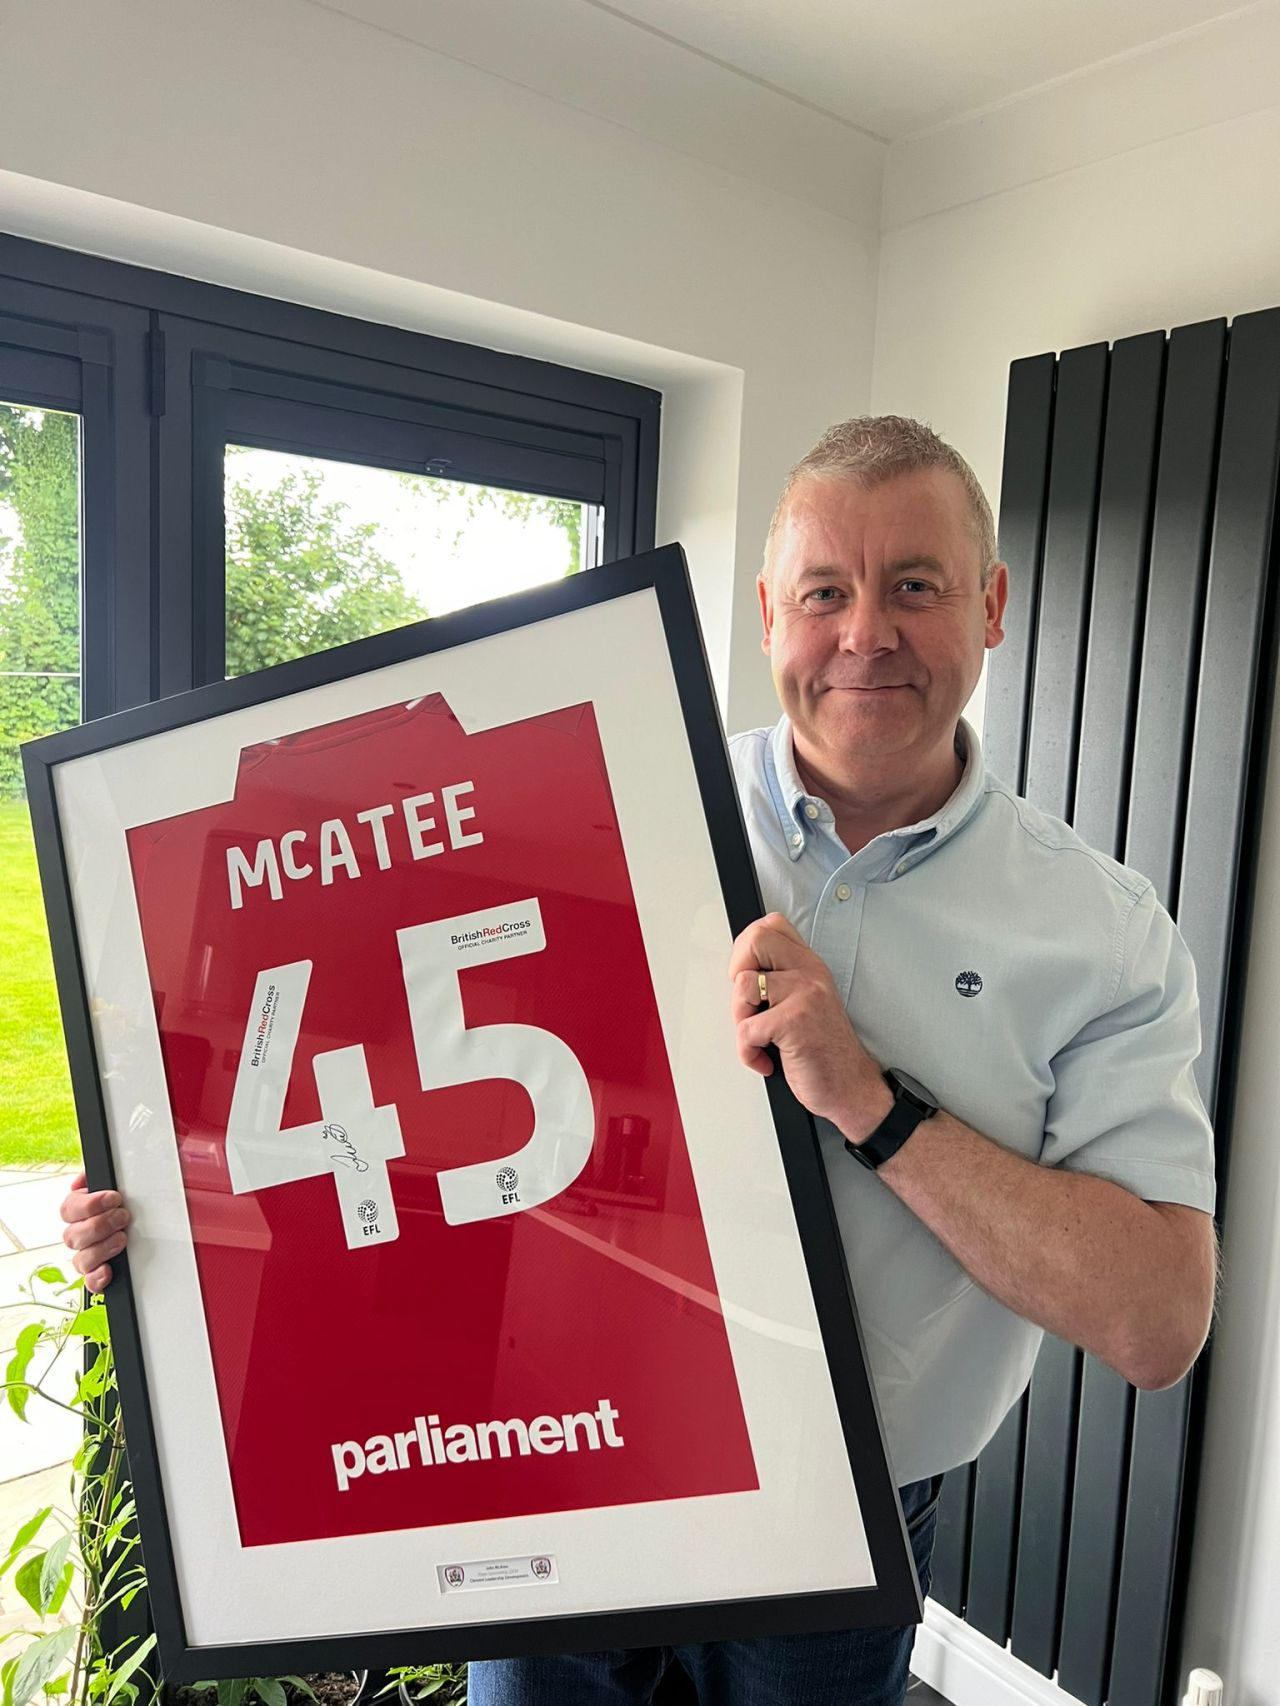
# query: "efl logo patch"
{"points": [[968, 983]]}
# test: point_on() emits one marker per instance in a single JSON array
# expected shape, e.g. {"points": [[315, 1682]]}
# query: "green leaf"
{"points": [[52, 1569], [7, 1673], [126, 1670], [61, 1588], [15, 1373], [94, 1379], [27, 1581], [37, 1663], [90, 1323], [51, 1275], [300, 1685], [58, 1684], [231, 1690], [269, 1690], [25, 1535]]}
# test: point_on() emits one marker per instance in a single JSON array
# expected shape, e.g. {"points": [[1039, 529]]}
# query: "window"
{"points": [[40, 634], [213, 482]]}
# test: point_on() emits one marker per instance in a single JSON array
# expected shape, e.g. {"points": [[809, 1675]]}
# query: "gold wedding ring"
{"points": [[763, 985]]}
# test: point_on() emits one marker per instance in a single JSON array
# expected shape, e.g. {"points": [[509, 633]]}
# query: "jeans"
{"points": [[856, 1667]]}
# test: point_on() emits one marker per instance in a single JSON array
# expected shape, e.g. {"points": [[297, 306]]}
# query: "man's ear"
{"points": [[996, 596], [766, 609]]}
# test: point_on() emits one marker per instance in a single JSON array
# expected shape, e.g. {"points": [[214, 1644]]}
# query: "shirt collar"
{"points": [[800, 814]]}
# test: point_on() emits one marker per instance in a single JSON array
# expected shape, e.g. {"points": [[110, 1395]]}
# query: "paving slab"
{"points": [[50, 1435], [29, 1211], [12, 1320], [17, 1268], [20, 1500]]}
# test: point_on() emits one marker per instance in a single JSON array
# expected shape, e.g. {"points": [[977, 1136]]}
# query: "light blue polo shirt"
{"points": [[1041, 993]]}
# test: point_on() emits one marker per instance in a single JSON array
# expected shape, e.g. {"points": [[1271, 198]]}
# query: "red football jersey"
{"points": [[450, 1251]]}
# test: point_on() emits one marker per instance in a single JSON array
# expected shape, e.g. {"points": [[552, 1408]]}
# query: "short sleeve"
{"points": [[1125, 1105]]}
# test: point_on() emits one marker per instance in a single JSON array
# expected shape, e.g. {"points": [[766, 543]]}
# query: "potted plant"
{"points": [[443, 1685], [73, 1564], [323, 1688]]}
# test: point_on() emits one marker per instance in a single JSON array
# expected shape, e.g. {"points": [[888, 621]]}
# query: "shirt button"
{"points": [[797, 840], [810, 810], [843, 892]]}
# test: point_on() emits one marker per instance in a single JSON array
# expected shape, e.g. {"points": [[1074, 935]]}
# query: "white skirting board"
{"points": [[969, 1670]]}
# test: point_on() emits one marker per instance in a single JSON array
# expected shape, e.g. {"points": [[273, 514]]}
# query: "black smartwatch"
{"points": [[911, 1104]]}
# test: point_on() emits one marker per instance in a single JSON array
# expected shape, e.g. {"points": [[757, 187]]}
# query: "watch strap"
{"points": [[894, 1129]]}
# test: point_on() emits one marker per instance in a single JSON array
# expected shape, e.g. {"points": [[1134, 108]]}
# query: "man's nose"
{"points": [[868, 627]]}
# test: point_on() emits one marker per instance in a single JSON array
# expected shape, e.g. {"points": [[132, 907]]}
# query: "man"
{"points": [[993, 1024]]}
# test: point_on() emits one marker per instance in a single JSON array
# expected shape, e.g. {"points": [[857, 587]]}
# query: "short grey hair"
{"points": [[871, 449]]}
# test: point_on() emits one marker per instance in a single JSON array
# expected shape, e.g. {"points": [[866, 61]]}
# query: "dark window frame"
{"points": [[86, 356], [173, 369]]}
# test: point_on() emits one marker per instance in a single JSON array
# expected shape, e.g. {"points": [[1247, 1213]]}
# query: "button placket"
{"points": [[837, 929]]}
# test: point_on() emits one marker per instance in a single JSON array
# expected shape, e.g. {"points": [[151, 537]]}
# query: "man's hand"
{"points": [[95, 1231], [825, 1065]]}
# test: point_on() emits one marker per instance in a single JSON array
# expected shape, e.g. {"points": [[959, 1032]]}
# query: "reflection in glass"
{"points": [[39, 695], [412, 1044], [322, 552]]}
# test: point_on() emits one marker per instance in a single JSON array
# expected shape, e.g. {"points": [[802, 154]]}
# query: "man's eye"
{"points": [[824, 595], [914, 586]]}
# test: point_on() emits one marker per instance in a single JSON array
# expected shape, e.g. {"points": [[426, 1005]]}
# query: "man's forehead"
{"points": [[923, 495], [911, 520]]}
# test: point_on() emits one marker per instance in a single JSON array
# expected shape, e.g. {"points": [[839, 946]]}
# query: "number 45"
{"points": [[354, 1139]]}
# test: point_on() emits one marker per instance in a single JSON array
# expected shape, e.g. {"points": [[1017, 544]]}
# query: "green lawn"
{"points": [[37, 1119]]}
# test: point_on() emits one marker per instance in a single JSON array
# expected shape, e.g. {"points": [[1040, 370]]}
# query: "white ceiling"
{"points": [[897, 68], [889, 68], [804, 95]]}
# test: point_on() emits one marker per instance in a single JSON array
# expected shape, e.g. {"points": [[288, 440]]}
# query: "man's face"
{"points": [[875, 618]]}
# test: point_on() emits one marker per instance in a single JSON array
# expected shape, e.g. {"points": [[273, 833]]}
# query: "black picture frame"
{"points": [[895, 1598]]}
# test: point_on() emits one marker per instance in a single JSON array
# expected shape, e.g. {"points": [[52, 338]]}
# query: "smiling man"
{"points": [[993, 1024]]}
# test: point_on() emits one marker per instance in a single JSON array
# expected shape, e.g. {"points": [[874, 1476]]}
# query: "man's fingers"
{"points": [[85, 1234], [98, 1279], [782, 926], [80, 1204], [89, 1258], [770, 941], [757, 1030], [747, 998], [756, 1059]]}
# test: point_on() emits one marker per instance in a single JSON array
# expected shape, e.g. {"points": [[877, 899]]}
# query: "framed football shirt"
{"points": [[478, 1300]]}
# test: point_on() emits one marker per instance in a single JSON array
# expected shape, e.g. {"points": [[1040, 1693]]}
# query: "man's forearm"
{"points": [[1128, 1280]]}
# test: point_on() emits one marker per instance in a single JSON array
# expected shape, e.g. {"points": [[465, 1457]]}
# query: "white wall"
{"points": [[287, 147], [1172, 229]]}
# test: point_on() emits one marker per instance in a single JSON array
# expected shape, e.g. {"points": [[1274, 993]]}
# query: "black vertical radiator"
{"points": [[1132, 697]]}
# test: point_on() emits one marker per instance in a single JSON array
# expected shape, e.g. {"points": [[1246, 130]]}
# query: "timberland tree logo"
{"points": [[968, 983]]}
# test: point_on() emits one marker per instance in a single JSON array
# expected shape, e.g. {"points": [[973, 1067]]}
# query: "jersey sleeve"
{"points": [[1125, 1105]]}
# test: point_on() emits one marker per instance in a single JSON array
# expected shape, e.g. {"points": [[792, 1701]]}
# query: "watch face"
{"points": [[913, 1088]]}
